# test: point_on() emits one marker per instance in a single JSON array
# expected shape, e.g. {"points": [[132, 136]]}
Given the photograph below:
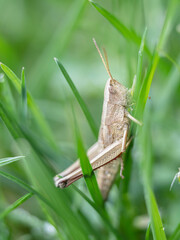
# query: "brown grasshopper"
{"points": [[106, 154]]}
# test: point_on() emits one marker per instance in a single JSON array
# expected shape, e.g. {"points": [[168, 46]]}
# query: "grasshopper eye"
{"points": [[112, 90]]}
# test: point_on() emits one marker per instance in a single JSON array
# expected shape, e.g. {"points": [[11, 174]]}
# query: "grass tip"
{"points": [[55, 59]]}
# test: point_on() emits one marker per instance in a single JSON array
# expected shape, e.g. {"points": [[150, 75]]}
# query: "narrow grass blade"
{"points": [[35, 110], [156, 223], [165, 55], [135, 94], [16, 204], [128, 34], [24, 94], [87, 170], [146, 169], [25, 186], [5, 93], [42, 179], [172, 83], [37, 143], [176, 234], [139, 66], [9, 123], [5, 161], [147, 237], [79, 98], [42, 198], [102, 212], [155, 59]]}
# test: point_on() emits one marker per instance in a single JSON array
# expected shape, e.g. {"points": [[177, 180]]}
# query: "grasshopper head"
{"points": [[115, 92]]}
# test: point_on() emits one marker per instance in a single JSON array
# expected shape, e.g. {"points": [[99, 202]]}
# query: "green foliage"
{"points": [[37, 129], [176, 233], [79, 99], [87, 170], [35, 111], [128, 34], [15, 205]]}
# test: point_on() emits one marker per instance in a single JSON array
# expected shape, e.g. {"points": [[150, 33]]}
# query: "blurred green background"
{"points": [[32, 33]]}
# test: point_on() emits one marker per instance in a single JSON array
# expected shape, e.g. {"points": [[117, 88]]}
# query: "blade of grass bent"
{"points": [[79, 98], [129, 35], [35, 110], [5, 161], [16, 204]]}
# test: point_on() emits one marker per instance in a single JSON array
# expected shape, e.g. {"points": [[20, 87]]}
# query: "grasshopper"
{"points": [[106, 154]]}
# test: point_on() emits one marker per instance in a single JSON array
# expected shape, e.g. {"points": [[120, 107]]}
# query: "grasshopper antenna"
{"points": [[105, 62]]}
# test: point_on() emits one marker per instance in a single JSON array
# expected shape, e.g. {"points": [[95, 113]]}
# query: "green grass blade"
{"points": [[155, 59], [45, 200], [156, 223], [87, 170], [146, 169], [147, 237], [176, 234], [79, 98], [25, 186], [101, 211], [92, 185], [134, 126], [139, 66], [5, 161], [128, 34], [172, 83], [9, 123], [35, 110], [37, 143], [93, 205], [16, 204], [24, 94], [165, 55]]}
